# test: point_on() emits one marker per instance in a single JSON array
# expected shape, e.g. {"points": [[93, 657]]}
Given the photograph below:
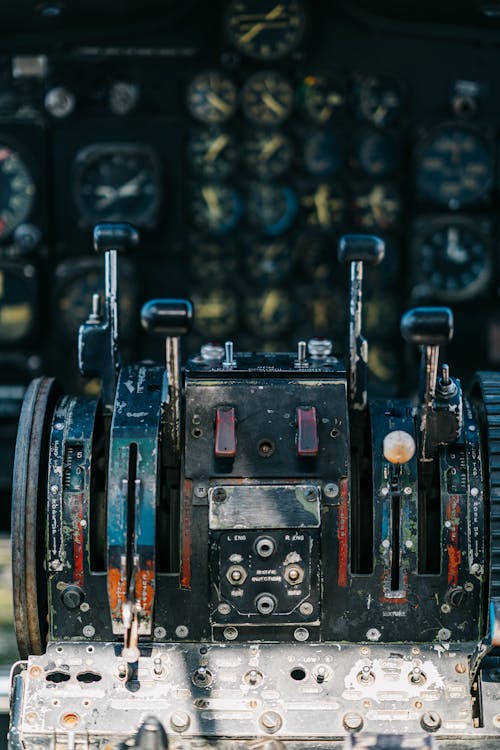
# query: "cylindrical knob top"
{"points": [[428, 326], [167, 317], [117, 236], [361, 247]]}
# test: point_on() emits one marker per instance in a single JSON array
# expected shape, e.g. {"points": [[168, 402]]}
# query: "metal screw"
{"points": [[384, 491], [431, 721], [224, 608], [88, 631], [230, 633], [353, 722], [407, 490], [200, 490], [59, 101], [271, 721], [180, 721], [182, 631], [301, 634], [460, 668], [474, 491], [253, 677], [160, 632], [219, 494], [444, 634], [373, 634], [84, 607], [445, 608], [331, 490], [468, 586], [306, 609], [310, 494]]}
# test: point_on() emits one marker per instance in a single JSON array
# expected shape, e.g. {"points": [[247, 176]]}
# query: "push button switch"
{"points": [[307, 432], [225, 432]]}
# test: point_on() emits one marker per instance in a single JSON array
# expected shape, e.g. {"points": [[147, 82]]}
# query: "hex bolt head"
{"points": [[430, 721], [352, 721]]}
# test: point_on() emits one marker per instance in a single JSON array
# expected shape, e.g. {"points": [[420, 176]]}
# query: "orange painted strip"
{"points": [[186, 535], [343, 533]]}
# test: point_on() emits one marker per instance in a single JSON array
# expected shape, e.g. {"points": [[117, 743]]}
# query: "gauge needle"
{"points": [[212, 202], [131, 187], [271, 147], [270, 305], [321, 203], [216, 147], [254, 31], [273, 104], [108, 195], [215, 100]]}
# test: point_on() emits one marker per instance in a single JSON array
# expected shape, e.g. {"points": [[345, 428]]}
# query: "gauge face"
{"points": [[377, 100], [268, 313], [212, 97], [117, 182], [267, 98], [268, 154], [455, 261], [75, 299], [212, 262], [455, 168], [216, 313], [376, 153], [313, 257], [324, 152], [17, 191], [324, 207], [17, 299], [215, 208], [268, 261], [377, 207], [213, 153], [271, 208], [265, 29], [322, 97]]}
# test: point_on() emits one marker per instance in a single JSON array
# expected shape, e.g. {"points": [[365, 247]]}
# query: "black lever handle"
{"points": [[361, 248], [167, 317], [427, 326], [118, 236]]}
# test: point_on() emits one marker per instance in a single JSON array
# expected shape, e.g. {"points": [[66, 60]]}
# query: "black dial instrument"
{"points": [[117, 182], [376, 153], [268, 313], [211, 261], [314, 255], [376, 206], [455, 167], [271, 208], [455, 261], [265, 29], [213, 153], [212, 97], [17, 302], [17, 191], [268, 154], [268, 262], [324, 152], [216, 313], [377, 100], [322, 97], [323, 207], [215, 208], [267, 98]]}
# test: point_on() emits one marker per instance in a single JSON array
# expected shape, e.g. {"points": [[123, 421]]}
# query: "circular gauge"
{"points": [[455, 167], [325, 311], [455, 261], [322, 97], [268, 154], [268, 313], [17, 302], [271, 208], [216, 313], [376, 153], [323, 207], [212, 262], [313, 255], [267, 98], [324, 152], [265, 29], [75, 296], [377, 207], [212, 97], [17, 191], [117, 182], [377, 100], [268, 261], [215, 208], [213, 153]]}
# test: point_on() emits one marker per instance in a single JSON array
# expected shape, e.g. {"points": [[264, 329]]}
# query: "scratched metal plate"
{"points": [[264, 506]]}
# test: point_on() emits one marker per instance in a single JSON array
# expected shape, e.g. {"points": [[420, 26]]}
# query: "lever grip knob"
{"points": [[428, 326], [361, 247], [118, 236], [167, 317]]}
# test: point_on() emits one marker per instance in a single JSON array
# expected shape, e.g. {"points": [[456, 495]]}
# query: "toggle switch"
{"points": [[225, 432], [307, 433]]}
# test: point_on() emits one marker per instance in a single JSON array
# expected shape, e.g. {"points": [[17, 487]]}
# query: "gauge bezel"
{"points": [[255, 55], [16, 148], [261, 75], [90, 154], [204, 120], [31, 280]]}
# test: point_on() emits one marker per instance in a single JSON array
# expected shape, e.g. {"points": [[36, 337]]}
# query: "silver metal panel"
{"points": [[264, 506]]}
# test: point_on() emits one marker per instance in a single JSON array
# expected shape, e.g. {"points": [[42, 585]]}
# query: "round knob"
{"points": [[428, 326], [361, 247], [167, 317], [117, 236]]}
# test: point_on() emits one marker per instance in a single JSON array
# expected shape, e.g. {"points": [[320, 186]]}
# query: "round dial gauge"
{"points": [[17, 299], [213, 153], [455, 261], [271, 208], [117, 182], [267, 98], [268, 154], [455, 168], [376, 153], [212, 97], [324, 152], [324, 207], [377, 100], [212, 262], [314, 255], [216, 313], [215, 208], [377, 207], [268, 261], [322, 97], [265, 29], [17, 191], [268, 313]]}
